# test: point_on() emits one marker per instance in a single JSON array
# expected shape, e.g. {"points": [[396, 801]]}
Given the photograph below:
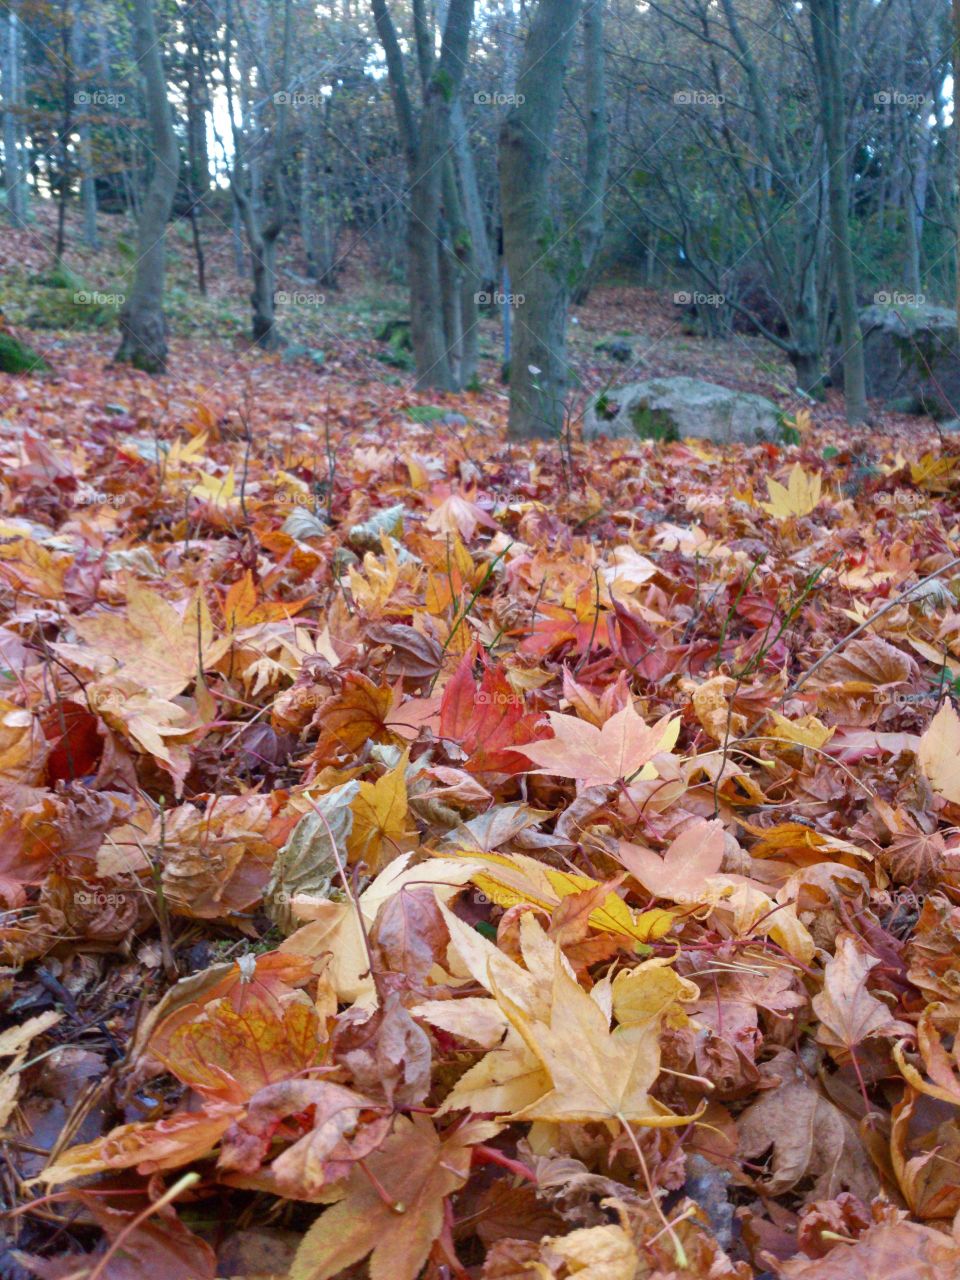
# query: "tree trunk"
{"points": [[531, 236], [143, 327], [246, 186], [425, 148], [14, 171], [88, 189], [955, 10], [473, 217], [825, 28], [590, 223]]}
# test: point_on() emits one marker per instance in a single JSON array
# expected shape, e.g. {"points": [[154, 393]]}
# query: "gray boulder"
{"points": [[675, 408], [912, 358]]}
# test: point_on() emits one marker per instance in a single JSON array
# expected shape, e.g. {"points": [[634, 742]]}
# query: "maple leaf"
{"points": [[457, 514], [580, 621], [396, 1214], [809, 1137], [622, 747], [681, 874], [216, 491], [936, 1059], [594, 1074], [512, 879], [157, 647], [228, 1053], [939, 753], [887, 1251], [489, 720], [380, 828], [801, 495], [848, 1012], [242, 607]]}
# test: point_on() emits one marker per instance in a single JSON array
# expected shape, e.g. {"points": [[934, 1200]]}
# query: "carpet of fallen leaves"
{"points": [[423, 855]]}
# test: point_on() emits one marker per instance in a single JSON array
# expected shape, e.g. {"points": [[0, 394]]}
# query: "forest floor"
{"points": [[621, 782], [332, 333]]}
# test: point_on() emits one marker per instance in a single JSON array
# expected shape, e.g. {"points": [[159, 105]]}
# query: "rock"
{"points": [[673, 408], [912, 358]]}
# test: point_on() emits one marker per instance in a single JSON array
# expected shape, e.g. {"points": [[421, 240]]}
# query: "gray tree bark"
{"points": [[263, 209], [535, 257], [143, 326], [591, 220], [825, 30], [426, 143], [14, 171]]}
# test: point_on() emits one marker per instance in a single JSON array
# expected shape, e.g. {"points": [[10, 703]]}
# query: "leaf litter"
{"points": [[427, 856]]}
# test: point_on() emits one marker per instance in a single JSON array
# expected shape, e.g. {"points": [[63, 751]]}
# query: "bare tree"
{"points": [[14, 171], [260, 192], [825, 30], [143, 326], [436, 326], [547, 257]]}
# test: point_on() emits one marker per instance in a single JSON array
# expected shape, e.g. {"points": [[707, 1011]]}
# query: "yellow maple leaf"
{"points": [[798, 498], [595, 1074], [514, 879], [157, 647], [216, 491], [380, 818], [807, 731], [939, 753]]}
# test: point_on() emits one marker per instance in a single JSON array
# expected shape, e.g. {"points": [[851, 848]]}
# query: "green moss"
{"points": [[425, 412], [17, 357], [444, 83], [60, 277], [653, 424]]}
